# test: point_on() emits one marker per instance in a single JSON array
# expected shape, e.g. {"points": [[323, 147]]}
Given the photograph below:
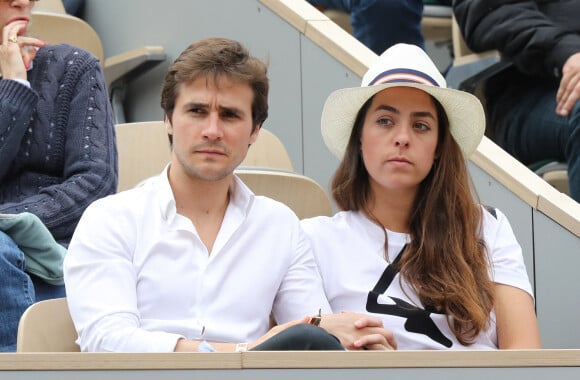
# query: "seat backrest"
{"points": [[46, 326], [302, 194], [50, 6], [268, 152], [55, 28], [143, 150]]}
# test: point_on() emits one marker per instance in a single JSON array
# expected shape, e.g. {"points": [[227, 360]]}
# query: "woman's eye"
{"points": [[384, 121], [422, 127]]}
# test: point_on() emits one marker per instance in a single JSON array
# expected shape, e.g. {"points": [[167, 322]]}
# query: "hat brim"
{"points": [[464, 111]]}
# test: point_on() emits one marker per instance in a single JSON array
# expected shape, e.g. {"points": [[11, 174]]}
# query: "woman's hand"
{"points": [[359, 331], [17, 51]]}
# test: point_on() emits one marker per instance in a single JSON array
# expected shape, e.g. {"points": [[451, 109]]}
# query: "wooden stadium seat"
{"points": [[144, 151], [268, 152], [46, 326], [56, 27], [302, 194], [50, 6]]}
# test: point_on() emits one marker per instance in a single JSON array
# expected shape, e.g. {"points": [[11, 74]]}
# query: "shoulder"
{"points": [[127, 204], [65, 52], [271, 208], [493, 218], [336, 224]]}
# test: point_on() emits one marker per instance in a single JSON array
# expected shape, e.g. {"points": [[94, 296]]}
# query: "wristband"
{"points": [[204, 346]]}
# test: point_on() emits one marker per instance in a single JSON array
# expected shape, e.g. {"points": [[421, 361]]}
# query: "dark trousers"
{"points": [[301, 337]]}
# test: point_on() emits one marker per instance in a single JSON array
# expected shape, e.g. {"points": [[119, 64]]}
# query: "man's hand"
{"points": [[16, 51], [359, 331], [569, 90]]}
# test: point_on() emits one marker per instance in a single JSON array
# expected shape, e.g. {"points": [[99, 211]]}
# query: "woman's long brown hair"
{"points": [[446, 262]]}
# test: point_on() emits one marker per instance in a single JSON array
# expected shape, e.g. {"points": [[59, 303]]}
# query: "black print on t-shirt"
{"points": [[418, 320]]}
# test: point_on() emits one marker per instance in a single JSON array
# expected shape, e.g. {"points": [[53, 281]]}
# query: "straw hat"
{"points": [[407, 66]]}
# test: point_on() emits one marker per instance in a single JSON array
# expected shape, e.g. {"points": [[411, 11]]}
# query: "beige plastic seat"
{"points": [[50, 6], [144, 151], [268, 152], [302, 194], [46, 326], [57, 27]]}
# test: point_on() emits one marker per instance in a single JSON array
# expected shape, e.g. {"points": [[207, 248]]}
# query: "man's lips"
{"points": [[210, 151]]}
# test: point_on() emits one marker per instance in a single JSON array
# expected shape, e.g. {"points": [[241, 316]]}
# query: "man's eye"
{"points": [[229, 114]]}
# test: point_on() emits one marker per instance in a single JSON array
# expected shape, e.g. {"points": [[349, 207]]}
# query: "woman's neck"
{"points": [[392, 209]]}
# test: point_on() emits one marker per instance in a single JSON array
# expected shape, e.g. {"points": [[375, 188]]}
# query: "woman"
{"points": [[411, 244], [57, 154]]}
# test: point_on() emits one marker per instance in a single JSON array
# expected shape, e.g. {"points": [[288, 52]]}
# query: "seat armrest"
{"points": [[128, 65], [121, 69]]}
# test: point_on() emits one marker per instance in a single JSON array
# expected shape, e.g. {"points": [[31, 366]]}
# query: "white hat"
{"points": [[403, 65]]}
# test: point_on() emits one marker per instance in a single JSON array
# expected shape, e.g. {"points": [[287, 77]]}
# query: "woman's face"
{"points": [[15, 11], [399, 138]]}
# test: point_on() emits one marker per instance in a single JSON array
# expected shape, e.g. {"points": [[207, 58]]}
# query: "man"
{"points": [[192, 260], [533, 104]]}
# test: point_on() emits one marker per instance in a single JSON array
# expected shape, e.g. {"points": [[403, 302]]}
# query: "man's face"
{"points": [[211, 127]]}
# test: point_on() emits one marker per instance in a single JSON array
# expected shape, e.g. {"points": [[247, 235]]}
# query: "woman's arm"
{"points": [[517, 326]]}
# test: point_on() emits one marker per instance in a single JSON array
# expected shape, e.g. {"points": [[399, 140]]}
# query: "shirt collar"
{"points": [[241, 197]]}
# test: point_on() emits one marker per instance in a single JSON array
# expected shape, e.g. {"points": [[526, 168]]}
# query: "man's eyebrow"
{"points": [[195, 105]]}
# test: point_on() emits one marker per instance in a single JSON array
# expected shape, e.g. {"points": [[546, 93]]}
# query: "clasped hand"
{"points": [[359, 331]]}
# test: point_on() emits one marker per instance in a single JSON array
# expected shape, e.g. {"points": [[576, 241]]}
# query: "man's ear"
{"points": [[168, 125], [255, 133]]}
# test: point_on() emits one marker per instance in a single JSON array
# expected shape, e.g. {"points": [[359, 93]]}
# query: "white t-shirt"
{"points": [[138, 277], [349, 250]]}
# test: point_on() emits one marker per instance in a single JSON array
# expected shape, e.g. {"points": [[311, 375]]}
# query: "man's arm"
{"points": [[302, 291]]}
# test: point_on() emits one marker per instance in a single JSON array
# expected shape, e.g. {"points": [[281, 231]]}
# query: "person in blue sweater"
{"points": [[57, 154]]}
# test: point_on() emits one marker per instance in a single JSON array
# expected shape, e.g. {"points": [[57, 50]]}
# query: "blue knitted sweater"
{"points": [[57, 140]]}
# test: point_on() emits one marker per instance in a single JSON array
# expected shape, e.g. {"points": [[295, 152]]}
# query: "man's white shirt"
{"points": [[138, 276]]}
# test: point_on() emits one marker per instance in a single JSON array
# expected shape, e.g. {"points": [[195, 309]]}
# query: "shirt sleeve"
{"points": [[508, 266], [101, 286], [301, 292]]}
